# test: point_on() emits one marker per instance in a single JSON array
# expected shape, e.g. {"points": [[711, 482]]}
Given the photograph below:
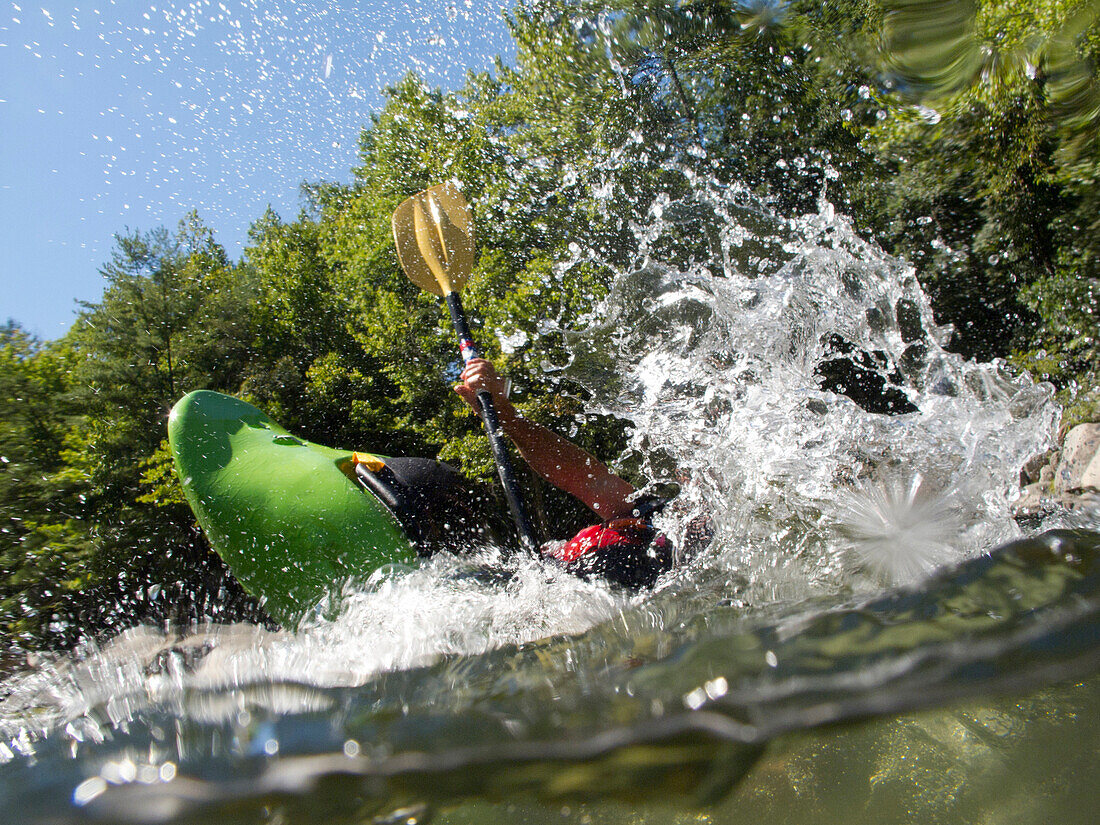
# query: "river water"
{"points": [[870, 636]]}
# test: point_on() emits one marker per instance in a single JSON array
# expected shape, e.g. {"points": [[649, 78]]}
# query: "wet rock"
{"points": [[1036, 501], [1031, 501], [816, 405], [1046, 474], [1034, 467], [1079, 467], [1062, 479]]}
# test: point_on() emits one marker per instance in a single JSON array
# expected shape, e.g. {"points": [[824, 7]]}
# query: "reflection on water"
{"points": [[1024, 761]]}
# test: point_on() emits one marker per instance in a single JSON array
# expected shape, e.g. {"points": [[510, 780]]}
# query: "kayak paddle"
{"points": [[434, 233]]}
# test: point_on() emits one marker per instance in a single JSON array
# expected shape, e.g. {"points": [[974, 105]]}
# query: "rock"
{"points": [[1080, 464], [1036, 503], [1088, 502], [1066, 479], [1046, 475], [1033, 468], [1030, 502]]}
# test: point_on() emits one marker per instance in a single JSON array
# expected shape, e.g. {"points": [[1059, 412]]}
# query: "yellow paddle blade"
{"points": [[434, 233]]}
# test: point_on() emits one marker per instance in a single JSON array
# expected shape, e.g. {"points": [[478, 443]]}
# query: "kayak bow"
{"points": [[284, 514]]}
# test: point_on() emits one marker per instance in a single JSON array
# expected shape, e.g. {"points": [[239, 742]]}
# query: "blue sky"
{"points": [[119, 115]]}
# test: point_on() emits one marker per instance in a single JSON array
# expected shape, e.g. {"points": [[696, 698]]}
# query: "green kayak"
{"points": [[284, 514]]}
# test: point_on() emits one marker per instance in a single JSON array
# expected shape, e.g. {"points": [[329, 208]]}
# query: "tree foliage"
{"points": [[993, 134]]}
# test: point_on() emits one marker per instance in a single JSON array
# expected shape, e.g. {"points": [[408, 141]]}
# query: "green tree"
{"points": [[44, 550], [992, 136], [170, 321]]}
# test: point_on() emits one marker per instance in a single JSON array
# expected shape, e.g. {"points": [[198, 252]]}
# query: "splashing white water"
{"points": [[722, 365], [400, 619], [901, 532], [411, 619]]}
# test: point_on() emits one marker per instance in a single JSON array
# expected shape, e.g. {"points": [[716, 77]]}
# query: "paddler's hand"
{"points": [[480, 375]]}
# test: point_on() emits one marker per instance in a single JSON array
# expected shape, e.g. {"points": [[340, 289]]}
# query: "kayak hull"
{"points": [[283, 513]]}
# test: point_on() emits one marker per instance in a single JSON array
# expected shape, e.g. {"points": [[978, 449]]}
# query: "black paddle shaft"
{"points": [[492, 427]]}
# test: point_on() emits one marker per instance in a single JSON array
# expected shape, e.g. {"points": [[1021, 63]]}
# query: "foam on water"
{"points": [[401, 618], [406, 620]]}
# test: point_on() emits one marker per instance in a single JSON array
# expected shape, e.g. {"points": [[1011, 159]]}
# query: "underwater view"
{"points": [[881, 625]]}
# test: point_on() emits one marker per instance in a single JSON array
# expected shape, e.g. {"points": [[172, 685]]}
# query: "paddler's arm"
{"points": [[562, 463]]}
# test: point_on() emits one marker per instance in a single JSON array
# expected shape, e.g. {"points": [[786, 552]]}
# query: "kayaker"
{"points": [[624, 547], [439, 509]]}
